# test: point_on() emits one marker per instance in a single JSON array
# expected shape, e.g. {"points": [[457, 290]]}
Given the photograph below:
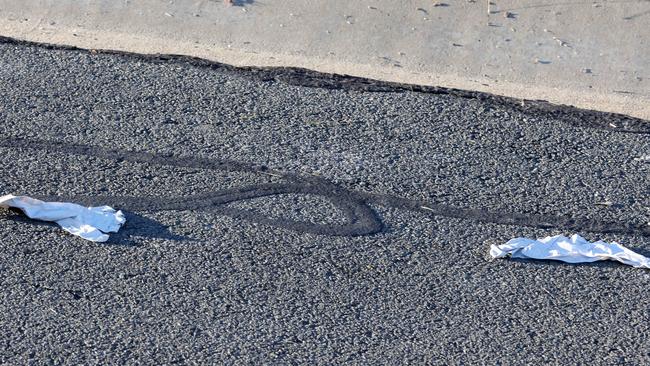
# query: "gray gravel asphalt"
{"points": [[273, 223]]}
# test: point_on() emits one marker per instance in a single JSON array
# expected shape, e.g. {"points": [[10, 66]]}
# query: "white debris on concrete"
{"points": [[575, 249], [90, 223]]}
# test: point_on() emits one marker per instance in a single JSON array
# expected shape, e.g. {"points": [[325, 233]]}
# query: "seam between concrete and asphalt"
{"points": [[590, 55], [309, 78]]}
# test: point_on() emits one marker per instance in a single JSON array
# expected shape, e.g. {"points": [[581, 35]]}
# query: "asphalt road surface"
{"points": [[285, 217]]}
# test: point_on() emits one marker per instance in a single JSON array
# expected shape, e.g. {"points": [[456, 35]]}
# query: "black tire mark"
{"points": [[361, 219], [509, 218]]}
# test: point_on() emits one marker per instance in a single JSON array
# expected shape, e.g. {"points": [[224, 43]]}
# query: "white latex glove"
{"points": [[90, 223], [572, 250]]}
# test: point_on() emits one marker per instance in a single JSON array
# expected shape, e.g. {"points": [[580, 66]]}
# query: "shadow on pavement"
{"points": [[135, 226]]}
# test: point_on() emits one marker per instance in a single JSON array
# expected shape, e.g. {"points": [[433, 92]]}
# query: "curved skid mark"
{"points": [[361, 219]]}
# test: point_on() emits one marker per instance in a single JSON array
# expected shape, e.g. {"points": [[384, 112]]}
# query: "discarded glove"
{"points": [[90, 223], [572, 250]]}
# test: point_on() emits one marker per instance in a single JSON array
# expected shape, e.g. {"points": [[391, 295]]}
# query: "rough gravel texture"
{"points": [[195, 286]]}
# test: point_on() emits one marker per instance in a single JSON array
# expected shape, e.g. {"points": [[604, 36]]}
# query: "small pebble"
{"points": [[604, 203], [644, 158], [561, 42]]}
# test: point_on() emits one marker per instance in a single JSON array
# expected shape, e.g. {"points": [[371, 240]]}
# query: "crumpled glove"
{"points": [[571, 250], [90, 223]]}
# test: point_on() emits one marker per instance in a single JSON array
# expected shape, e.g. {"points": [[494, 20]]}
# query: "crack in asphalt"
{"points": [[355, 205]]}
